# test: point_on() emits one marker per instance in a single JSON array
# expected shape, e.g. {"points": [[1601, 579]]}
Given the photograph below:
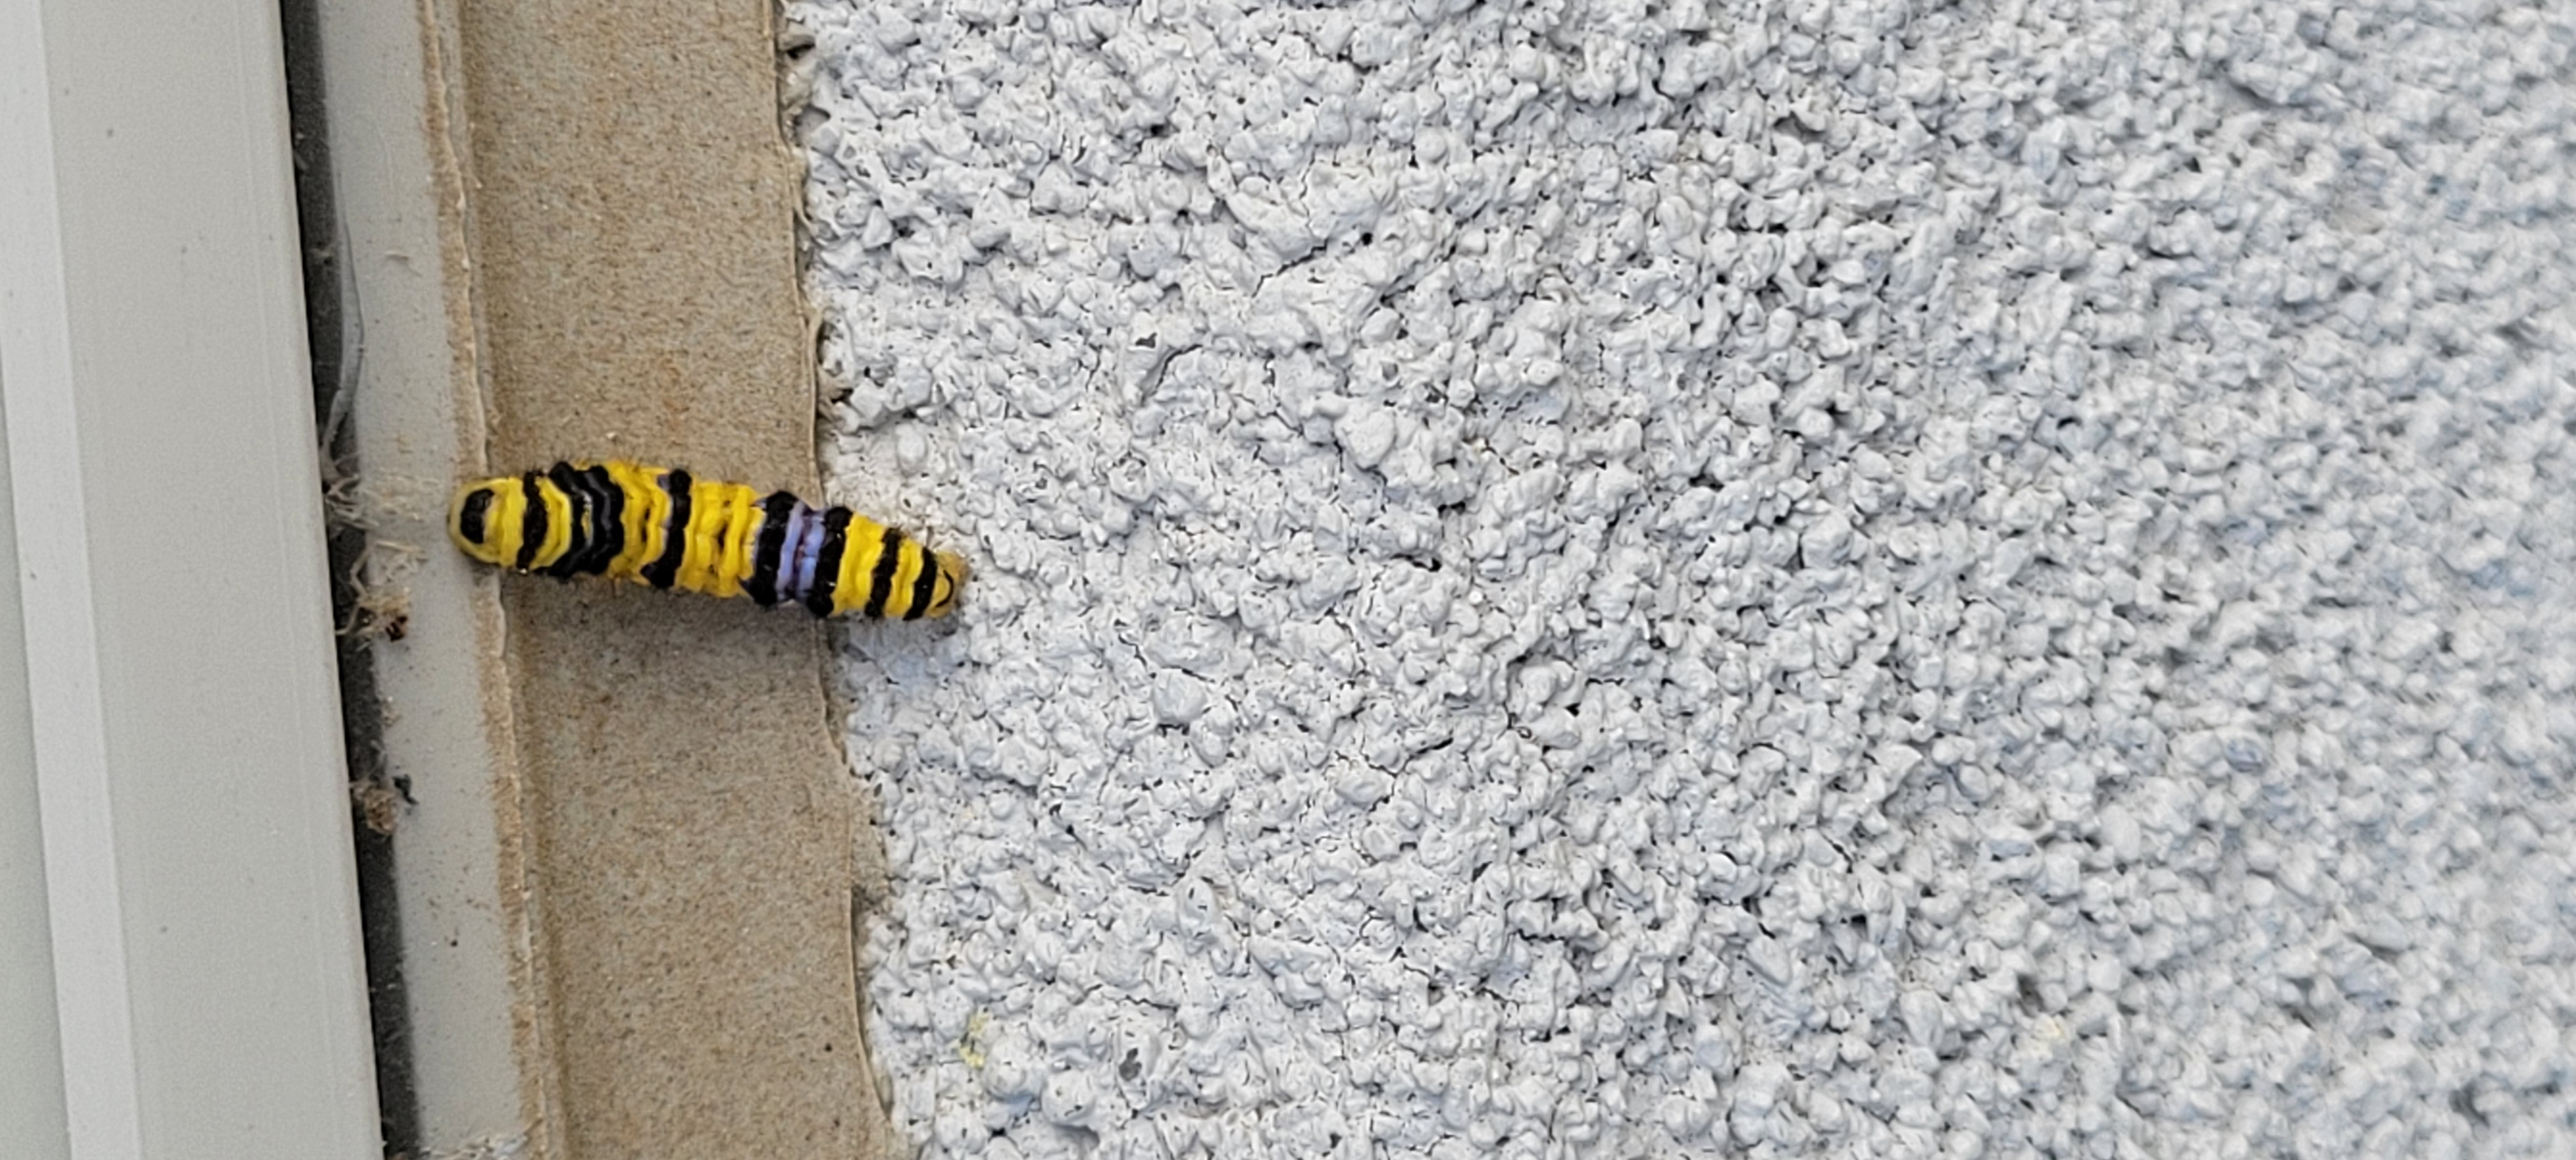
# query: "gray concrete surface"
{"points": [[1609, 578]]}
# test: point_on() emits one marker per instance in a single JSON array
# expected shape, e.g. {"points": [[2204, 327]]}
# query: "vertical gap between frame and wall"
{"points": [[337, 346]]}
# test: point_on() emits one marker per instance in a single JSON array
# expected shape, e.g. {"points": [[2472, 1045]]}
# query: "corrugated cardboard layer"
{"points": [[692, 822]]}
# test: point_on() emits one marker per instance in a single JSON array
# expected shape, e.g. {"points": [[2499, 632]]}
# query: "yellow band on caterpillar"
{"points": [[661, 527], [639, 524]]}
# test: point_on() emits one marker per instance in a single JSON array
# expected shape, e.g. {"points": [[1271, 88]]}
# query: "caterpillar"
{"points": [[663, 527]]}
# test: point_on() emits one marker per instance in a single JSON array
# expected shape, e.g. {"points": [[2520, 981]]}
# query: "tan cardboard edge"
{"points": [[473, 982], [486, 989], [623, 297]]}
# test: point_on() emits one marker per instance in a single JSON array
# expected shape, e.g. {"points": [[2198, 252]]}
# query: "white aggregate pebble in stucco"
{"points": [[1649, 578]]}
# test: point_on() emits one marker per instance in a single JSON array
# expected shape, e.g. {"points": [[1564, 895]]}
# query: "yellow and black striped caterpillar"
{"points": [[661, 527]]}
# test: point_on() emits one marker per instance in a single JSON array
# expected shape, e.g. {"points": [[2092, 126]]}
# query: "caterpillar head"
{"points": [[943, 589], [484, 519]]}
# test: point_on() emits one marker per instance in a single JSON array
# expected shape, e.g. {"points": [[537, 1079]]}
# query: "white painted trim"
{"points": [[85, 907], [202, 907], [32, 1117]]}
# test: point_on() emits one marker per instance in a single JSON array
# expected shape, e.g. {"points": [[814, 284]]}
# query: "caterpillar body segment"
{"points": [[668, 529]]}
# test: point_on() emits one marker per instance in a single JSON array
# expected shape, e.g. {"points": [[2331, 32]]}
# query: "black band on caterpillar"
{"points": [[471, 513], [578, 548], [881, 580], [827, 566], [663, 572], [532, 529], [766, 556], [924, 587], [612, 519]]}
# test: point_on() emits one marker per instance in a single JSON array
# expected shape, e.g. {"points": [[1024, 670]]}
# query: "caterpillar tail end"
{"points": [[951, 582]]}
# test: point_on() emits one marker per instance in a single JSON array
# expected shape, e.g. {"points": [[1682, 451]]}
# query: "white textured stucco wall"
{"points": [[1639, 578]]}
